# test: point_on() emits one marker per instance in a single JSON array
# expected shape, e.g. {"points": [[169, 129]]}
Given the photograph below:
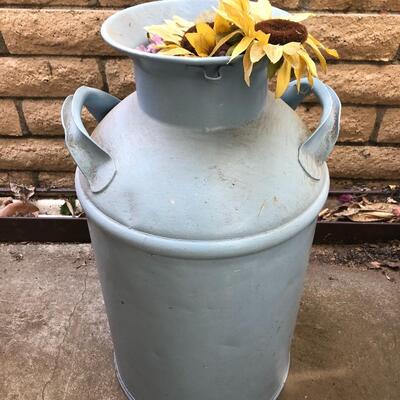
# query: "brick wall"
{"points": [[48, 48]]}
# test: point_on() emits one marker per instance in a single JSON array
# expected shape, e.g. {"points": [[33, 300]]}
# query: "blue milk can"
{"points": [[202, 196]]}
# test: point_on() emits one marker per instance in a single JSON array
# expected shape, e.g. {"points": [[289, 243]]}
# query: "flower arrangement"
{"points": [[244, 27]]}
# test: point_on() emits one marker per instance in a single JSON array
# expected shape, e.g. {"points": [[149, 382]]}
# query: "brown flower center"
{"points": [[283, 31]]}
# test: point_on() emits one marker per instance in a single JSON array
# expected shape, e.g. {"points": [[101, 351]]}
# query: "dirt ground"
{"points": [[55, 345]]}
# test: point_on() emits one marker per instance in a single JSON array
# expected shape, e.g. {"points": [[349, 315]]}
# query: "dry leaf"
{"points": [[371, 216], [7, 201], [365, 200], [324, 212], [374, 265], [22, 192], [19, 208], [363, 211]]}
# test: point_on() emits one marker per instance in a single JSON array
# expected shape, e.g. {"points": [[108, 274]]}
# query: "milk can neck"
{"points": [[205, 96]]}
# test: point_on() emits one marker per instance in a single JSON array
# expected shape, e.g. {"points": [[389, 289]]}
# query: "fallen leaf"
{"points": [[371, 216], [363, 211], [22, 192], [348, 212], [19, 208], [7, 201], [365, 200], [374, 265], [324, 212]]}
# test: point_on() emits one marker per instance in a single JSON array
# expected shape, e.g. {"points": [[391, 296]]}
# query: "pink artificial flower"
{"points": [[152, 46]]}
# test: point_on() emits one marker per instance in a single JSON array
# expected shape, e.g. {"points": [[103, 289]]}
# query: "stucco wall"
{"points": [[48, 48]]}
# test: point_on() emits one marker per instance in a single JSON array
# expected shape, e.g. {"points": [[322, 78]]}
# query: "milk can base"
{"points": [[130, 397]]}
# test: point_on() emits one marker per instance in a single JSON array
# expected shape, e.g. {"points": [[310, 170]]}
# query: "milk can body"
{"points": [[202, 197]]}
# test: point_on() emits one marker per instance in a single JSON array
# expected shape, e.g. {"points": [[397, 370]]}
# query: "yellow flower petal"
{"points": [[291, 48], [223, 41], [298, 65], [310, 78], [247, 66], [311, 67], [294, 60], [182, 22], [332, 52], [207, 33], [175, 51], [299, 72], [166, 34], [256, 52], [199, 43], [237, 12], [273, 52], [319, 55], [283, 79], [241, 47], [262, 37], [221, 25]]}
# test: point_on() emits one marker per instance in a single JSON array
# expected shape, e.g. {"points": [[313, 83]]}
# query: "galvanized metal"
{"points": [[94, 162], [203, 219], [207, 84]]}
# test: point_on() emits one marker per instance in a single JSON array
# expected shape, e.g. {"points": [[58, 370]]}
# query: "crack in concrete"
{"points": [[67, 328]]}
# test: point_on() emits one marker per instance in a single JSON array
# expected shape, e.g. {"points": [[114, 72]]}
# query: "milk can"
{"points": [[202, 196]]}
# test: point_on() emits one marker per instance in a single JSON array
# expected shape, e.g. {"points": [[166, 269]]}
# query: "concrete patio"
{"points": [[55, 345]]}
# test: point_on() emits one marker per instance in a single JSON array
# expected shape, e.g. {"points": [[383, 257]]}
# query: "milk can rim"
{"points": [[135, 53]]}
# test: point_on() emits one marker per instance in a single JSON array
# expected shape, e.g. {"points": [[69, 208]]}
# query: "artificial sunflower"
{"points": [[282, 40], [246, 27], [239, 14]]}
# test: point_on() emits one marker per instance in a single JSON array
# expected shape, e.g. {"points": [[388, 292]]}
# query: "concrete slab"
{"points": [[55, 345]]}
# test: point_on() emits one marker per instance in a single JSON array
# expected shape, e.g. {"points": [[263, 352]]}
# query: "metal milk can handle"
{"points": [[316, 149], [94, 162]]}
